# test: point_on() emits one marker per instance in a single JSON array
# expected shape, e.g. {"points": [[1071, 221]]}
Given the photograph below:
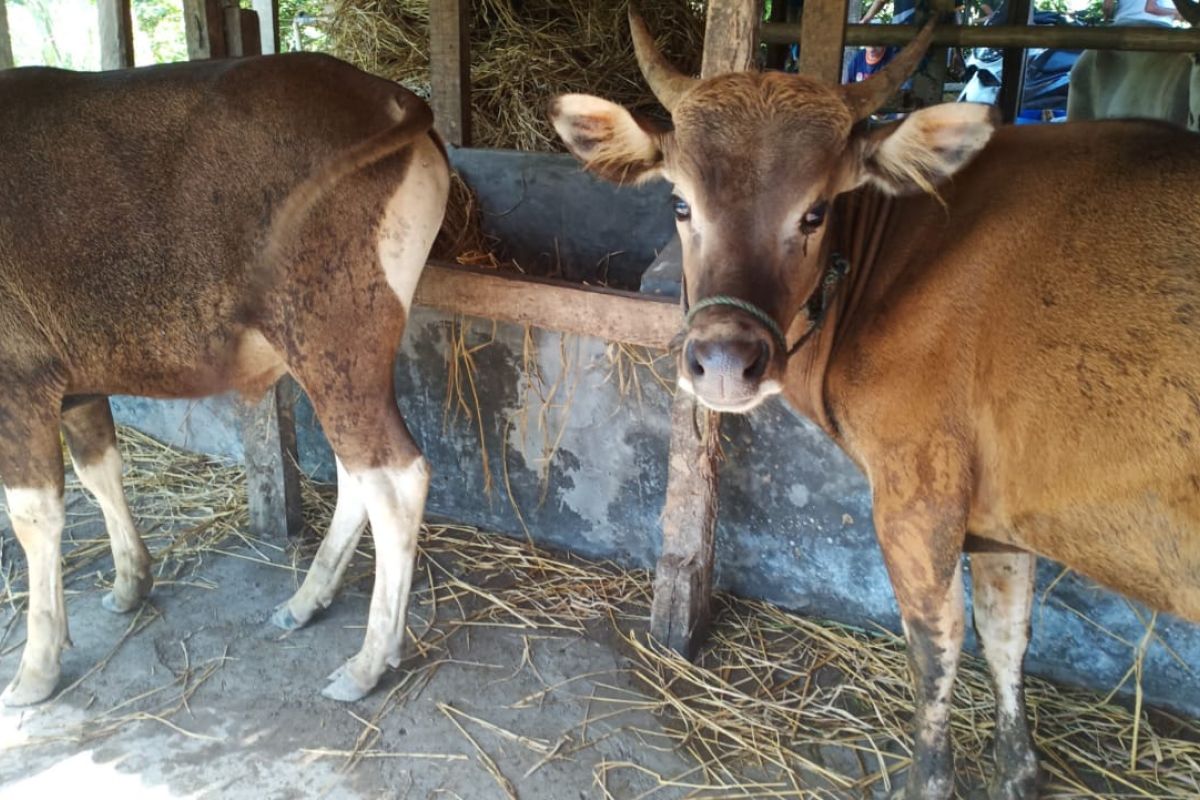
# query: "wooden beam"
{"points": [[1012, 80], [731, 36], [555, 305], [272, 475], [268, 22], [6, 54], [823, 39], [450, 69], [116, 34], [204, 29], [1176, 40]]}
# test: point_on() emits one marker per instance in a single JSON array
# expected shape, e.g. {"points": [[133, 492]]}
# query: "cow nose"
{"points": [[740, 360]]}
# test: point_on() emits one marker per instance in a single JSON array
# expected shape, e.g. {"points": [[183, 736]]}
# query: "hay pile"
{"points": [[777, 705], [523, 53]]}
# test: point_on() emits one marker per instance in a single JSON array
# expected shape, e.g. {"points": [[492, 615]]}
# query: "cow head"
{"points": [[756, 160]]}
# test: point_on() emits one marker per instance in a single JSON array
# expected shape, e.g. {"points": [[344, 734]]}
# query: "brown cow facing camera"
{"points": [[997, 324], [182, 230]]}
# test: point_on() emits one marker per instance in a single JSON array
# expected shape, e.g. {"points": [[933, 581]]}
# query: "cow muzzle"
{"points": [[728, 355]]}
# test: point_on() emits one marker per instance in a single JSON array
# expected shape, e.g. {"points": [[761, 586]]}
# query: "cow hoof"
{"points": [[112, 603], [344, 687], [284, 619], [29, 687]]}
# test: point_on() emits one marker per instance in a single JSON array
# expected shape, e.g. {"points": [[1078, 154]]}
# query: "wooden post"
{"points": [[6, 54], [1012, 82], [116, 34], [777, 53], [272, 475], [680, 612], [268, 22], [823, 39], [450, 69], [242, 37], [731, 36], [204, 28]]}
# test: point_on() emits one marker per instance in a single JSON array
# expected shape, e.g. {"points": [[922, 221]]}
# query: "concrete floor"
{"points": [[252, 728]]}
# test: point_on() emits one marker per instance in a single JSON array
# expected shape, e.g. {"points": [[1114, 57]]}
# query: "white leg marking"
{"points": [[103, 480], [395, 501], [329, 566], [37, 518], [1003, 600], [412, 219]]}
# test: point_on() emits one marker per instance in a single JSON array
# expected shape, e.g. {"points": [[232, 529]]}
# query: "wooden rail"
{"points": [[1002, 36], [555, 305]]}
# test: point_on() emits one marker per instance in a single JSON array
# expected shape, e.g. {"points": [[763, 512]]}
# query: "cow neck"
{"points": [[857, 226]]}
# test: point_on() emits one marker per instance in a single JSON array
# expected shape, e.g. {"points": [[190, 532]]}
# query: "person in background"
{"points": [[869, 60], [1141, 12]]}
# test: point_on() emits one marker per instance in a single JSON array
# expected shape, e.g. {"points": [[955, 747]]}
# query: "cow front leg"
{"points": [[92, 440], [923, 556], [395, 502], [333, 557], [1003, 584]]}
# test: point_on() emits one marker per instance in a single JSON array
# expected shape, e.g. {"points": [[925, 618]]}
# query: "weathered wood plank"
{"points": [[6, 53], [204, 29], [731, 36], [116, 33], [272, 475], [268, 22], [681, 609], [242, 32], [450, 69], [1176, 40], [554, 305], [822, 39]]}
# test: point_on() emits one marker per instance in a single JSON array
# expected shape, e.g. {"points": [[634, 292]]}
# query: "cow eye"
{"points": [[682, 210], [814, 217]]}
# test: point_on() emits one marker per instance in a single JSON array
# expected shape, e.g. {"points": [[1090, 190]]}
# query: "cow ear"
{"points": [[606, 138], [921, 151]]}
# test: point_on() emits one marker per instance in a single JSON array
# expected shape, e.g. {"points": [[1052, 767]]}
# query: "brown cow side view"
{"points": [[183, 230], [955, 304]]}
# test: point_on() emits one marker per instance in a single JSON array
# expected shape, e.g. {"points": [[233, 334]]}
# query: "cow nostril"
{"points": [[759, 366], [693, 363]]}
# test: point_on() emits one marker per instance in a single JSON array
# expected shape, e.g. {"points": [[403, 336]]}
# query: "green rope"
{"points": [[744, 305]]}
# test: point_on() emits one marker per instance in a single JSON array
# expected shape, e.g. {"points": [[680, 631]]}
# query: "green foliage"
{"points": [[158, 35]]}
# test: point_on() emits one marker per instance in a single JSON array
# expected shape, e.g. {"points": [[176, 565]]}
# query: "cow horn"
{"points": [[667, 83], [865, 97], [1189, 10]]}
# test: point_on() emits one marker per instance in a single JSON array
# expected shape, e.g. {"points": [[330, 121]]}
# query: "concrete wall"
{"points": [[795, 523]]}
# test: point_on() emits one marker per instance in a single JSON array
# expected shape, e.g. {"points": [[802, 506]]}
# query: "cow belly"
{"points": [[1143, 542]]}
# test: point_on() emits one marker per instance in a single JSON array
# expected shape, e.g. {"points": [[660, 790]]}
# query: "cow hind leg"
{"points": [[32, 469], [1003, 584], [395, 499], [329, 566], [382, 472], [92, 440]]}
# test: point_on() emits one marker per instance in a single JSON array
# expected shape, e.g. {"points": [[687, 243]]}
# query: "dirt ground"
{"points": [[549, 711], [527, 675]]}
